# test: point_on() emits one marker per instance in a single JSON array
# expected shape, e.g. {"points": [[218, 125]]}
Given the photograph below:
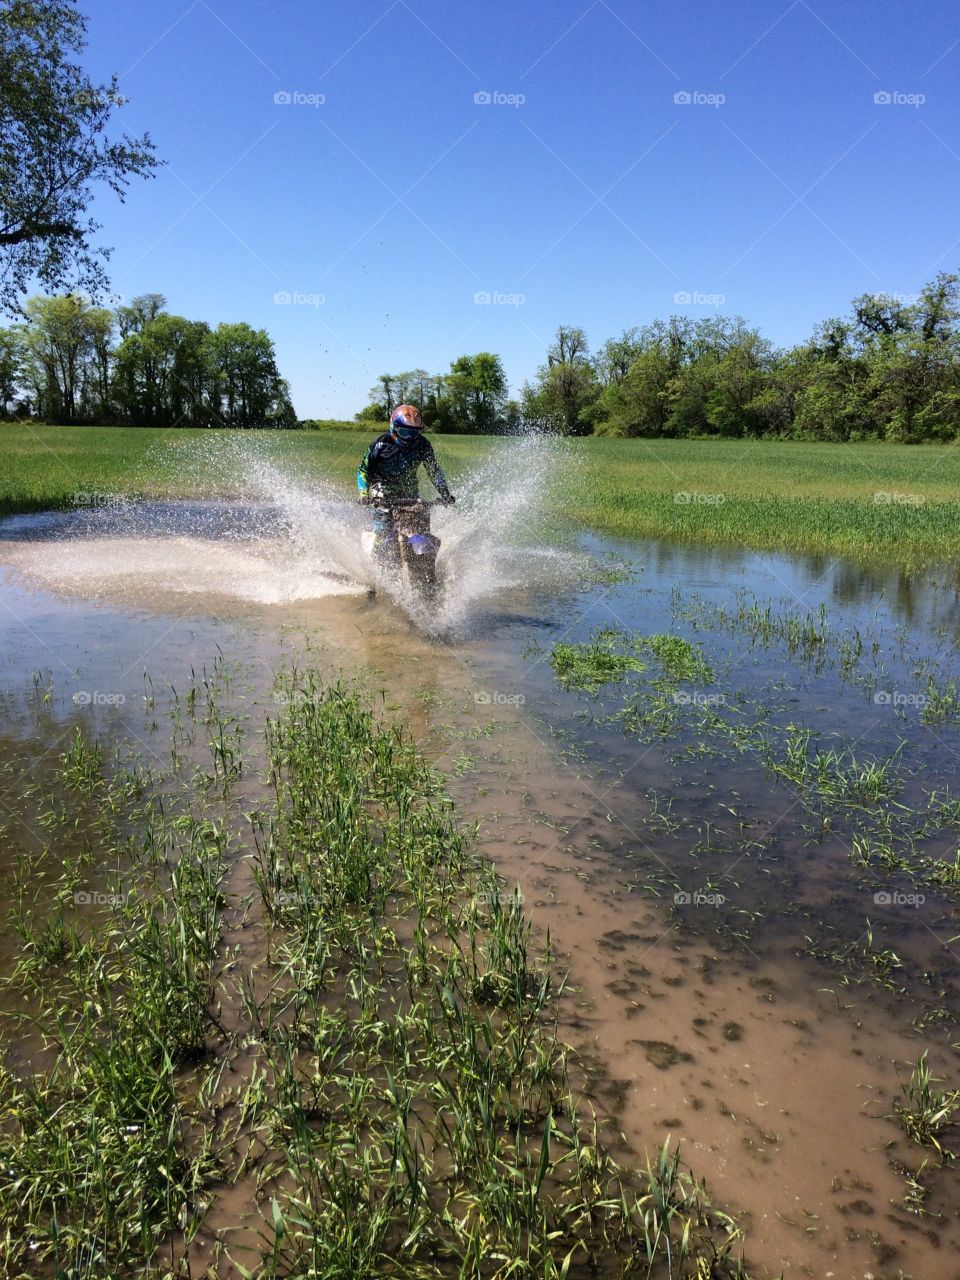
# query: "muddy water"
{"points": [[722, 1024]]}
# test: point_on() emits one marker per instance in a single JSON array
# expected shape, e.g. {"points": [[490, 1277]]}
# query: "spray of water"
{"points": [[292, 536], [492, 540]]}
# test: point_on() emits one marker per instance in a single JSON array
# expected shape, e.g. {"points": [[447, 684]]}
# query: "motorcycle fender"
{"points": [[423, 544]]}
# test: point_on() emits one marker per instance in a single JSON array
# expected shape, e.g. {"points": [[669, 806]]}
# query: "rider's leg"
{"points": [[386, 550]]}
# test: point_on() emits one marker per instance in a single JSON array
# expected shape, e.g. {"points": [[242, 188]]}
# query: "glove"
{"points": [[447, 499], [364, 500]]}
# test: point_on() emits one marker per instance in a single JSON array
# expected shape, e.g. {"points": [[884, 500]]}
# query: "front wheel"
{"points": [[421, 574]]}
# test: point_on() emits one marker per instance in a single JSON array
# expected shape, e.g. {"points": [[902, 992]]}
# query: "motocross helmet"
{"points": [[405, 422]]}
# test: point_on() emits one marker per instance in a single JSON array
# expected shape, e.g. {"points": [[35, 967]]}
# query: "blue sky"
{"points": [[631, 161]]}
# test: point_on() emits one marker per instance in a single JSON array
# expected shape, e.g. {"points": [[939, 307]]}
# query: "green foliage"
{"points": [[361, 423], [679, 659], [476, 389], [388, 1078], [925, 1111], [591, 665], [471, 398], [564, 394], [64, 358], [428, 1114], [166, 371], [54, 151], [891, 371], [611, 654], [9, 370]]}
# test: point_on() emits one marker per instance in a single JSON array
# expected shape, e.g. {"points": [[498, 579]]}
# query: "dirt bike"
{"points": [[410, 549]]}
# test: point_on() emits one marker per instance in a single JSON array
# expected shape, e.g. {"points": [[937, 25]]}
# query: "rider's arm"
{"points": [[363, 474], [434, 469]]}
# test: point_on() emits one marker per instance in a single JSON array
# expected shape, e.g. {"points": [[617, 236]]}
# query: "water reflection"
{"points": [[928, 601]]}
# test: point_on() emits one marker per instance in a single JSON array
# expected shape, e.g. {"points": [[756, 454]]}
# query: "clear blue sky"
{"points": [[597, 199]]}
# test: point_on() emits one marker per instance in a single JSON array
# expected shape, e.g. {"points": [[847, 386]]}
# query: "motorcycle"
{"points": [[406, 547]]}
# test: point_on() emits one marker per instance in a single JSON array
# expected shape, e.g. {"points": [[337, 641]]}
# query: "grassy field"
{"points": [[895, 503]]}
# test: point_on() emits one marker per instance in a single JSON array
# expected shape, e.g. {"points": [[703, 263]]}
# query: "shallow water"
{"points": [[713, 1022]]}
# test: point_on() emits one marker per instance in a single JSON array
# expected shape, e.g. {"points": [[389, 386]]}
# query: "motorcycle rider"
{"points": [[389, 469]]}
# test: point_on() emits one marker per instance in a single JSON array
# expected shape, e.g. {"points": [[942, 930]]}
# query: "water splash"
{"points": [[288, 535], [493, 540]]}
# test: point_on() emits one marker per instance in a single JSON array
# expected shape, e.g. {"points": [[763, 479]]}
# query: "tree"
{"points": [[615, 357], [60, 342], [561, 399], [566, 390], [97, 367], [140, 311], [54, 151], [371, 413], [738, 379], [476, 389], [246, 381], [888, 370], [639, 404], [162, 376], [569, 346], [280, 412], [777, 401], [9, 369], [468, 398]]}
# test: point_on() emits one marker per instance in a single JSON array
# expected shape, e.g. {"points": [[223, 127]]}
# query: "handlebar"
{"points": [[407, 503]]}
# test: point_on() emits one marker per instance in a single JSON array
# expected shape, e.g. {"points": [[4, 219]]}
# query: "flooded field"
{"points": [[725, 784]]}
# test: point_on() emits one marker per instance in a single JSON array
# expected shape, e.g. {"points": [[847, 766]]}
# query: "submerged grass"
{"points": [[97, 1165], [895, 503], [611, 654], [899, 836], [924, 1110], [416, 1088], [390, 1088]]}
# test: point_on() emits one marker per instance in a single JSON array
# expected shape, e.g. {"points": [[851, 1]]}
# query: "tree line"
{"points": [[70, 361], [890, 370]]}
